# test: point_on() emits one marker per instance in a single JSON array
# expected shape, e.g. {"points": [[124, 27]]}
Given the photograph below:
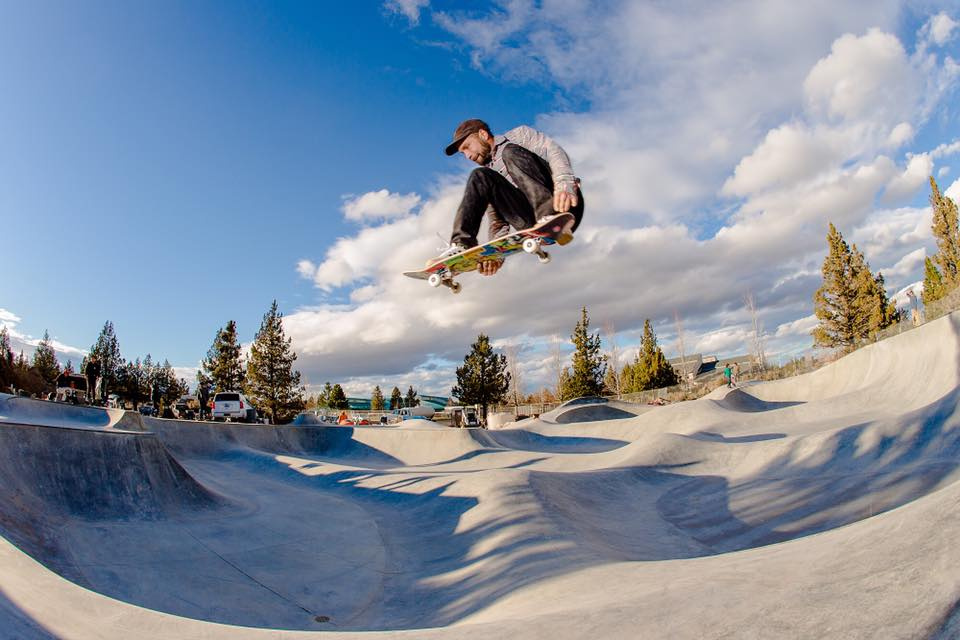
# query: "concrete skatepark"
{"points": [[821, 506]]}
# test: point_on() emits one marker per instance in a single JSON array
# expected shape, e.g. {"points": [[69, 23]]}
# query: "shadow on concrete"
{"points": [[710, 436], [856, 473]]}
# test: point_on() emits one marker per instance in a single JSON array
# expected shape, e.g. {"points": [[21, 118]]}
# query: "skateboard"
{"points": [[553, 230]]}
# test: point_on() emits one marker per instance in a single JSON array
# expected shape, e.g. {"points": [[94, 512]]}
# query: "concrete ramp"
{"points": [[822, 506], [592, 410], [28, 411]]}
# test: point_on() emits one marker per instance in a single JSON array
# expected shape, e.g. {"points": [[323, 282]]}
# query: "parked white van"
{"points": [[233, 405]]}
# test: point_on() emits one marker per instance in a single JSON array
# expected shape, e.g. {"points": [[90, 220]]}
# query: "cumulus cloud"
{"points": [[408, 8], [953, 191], [713, 155], [914, 177], [799, 327], [22, 342], [8, 318], [379, 205], [940, 28], [864, 77]]}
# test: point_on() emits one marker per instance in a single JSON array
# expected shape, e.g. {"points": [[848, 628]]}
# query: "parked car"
{"points": [[233, 405], [187, 407], [147, 409]]}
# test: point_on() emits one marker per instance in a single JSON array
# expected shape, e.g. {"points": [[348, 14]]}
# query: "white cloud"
{"points": [[953, 191], [946, 149], [906, 266], [788, 154], [8, 319], [941, 28], [864, 77], [914, 177], [724, 342], [379, 205], [187, 373], [26, 343], [714, 152], [887, 235], [408, 8], [901, 134], [799, 327]]}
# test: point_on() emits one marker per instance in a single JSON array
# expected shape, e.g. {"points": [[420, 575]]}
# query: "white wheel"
{"points": [[435, 280], [530, 245]]}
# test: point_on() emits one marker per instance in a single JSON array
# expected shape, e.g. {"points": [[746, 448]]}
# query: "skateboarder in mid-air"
{"points": [[524, 177]]}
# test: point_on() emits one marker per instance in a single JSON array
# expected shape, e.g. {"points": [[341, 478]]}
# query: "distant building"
{"points": [[363, 404], [698, 365]]}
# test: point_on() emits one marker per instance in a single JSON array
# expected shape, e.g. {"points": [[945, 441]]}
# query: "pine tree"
{"points": [[396, 399], [411, 399], [107, 350], [45, 361], [133, 382], [6, 361], [626, 379], [835, 302], [338, 399], [947, 235], [223, 364], [26, 378], [169, 388], [589, 367], [377, 401], [272, 384], [933, 285], [482, 379], [883, 312], [323, 398], [651, 370], [852, 303]]}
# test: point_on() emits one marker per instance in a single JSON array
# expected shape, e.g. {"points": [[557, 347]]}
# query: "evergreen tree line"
{"points": [[484, 380], [333, 397], [852, 304], [266, 376], [136, 381]]}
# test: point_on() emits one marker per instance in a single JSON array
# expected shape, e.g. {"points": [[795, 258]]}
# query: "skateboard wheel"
{"points": [[530, 245], [435, 280]]}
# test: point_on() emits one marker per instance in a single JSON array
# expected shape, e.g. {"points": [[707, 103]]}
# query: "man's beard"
{"points": [[486, 152]]}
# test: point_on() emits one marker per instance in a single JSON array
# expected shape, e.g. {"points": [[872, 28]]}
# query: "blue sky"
{"points": [[178, 158], [172, 166]]}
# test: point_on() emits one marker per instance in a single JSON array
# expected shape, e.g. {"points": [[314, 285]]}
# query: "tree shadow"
{"points": [[710, 436], [856, 473]]}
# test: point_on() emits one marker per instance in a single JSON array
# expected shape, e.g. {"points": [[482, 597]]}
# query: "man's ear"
{"points": [[484, 135]]}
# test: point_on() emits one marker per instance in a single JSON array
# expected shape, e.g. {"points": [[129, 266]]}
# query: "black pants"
{"points": [[520, 206]]}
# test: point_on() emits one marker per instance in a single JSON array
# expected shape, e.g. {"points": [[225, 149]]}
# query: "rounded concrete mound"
{"points": [[819, 506]]}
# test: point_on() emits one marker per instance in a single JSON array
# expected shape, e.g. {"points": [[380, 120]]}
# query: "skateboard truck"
{"points": [[435, 280], [532, 245]]}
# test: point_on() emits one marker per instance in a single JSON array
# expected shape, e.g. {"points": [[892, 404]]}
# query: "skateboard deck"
{"points": [[554, 230]]}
